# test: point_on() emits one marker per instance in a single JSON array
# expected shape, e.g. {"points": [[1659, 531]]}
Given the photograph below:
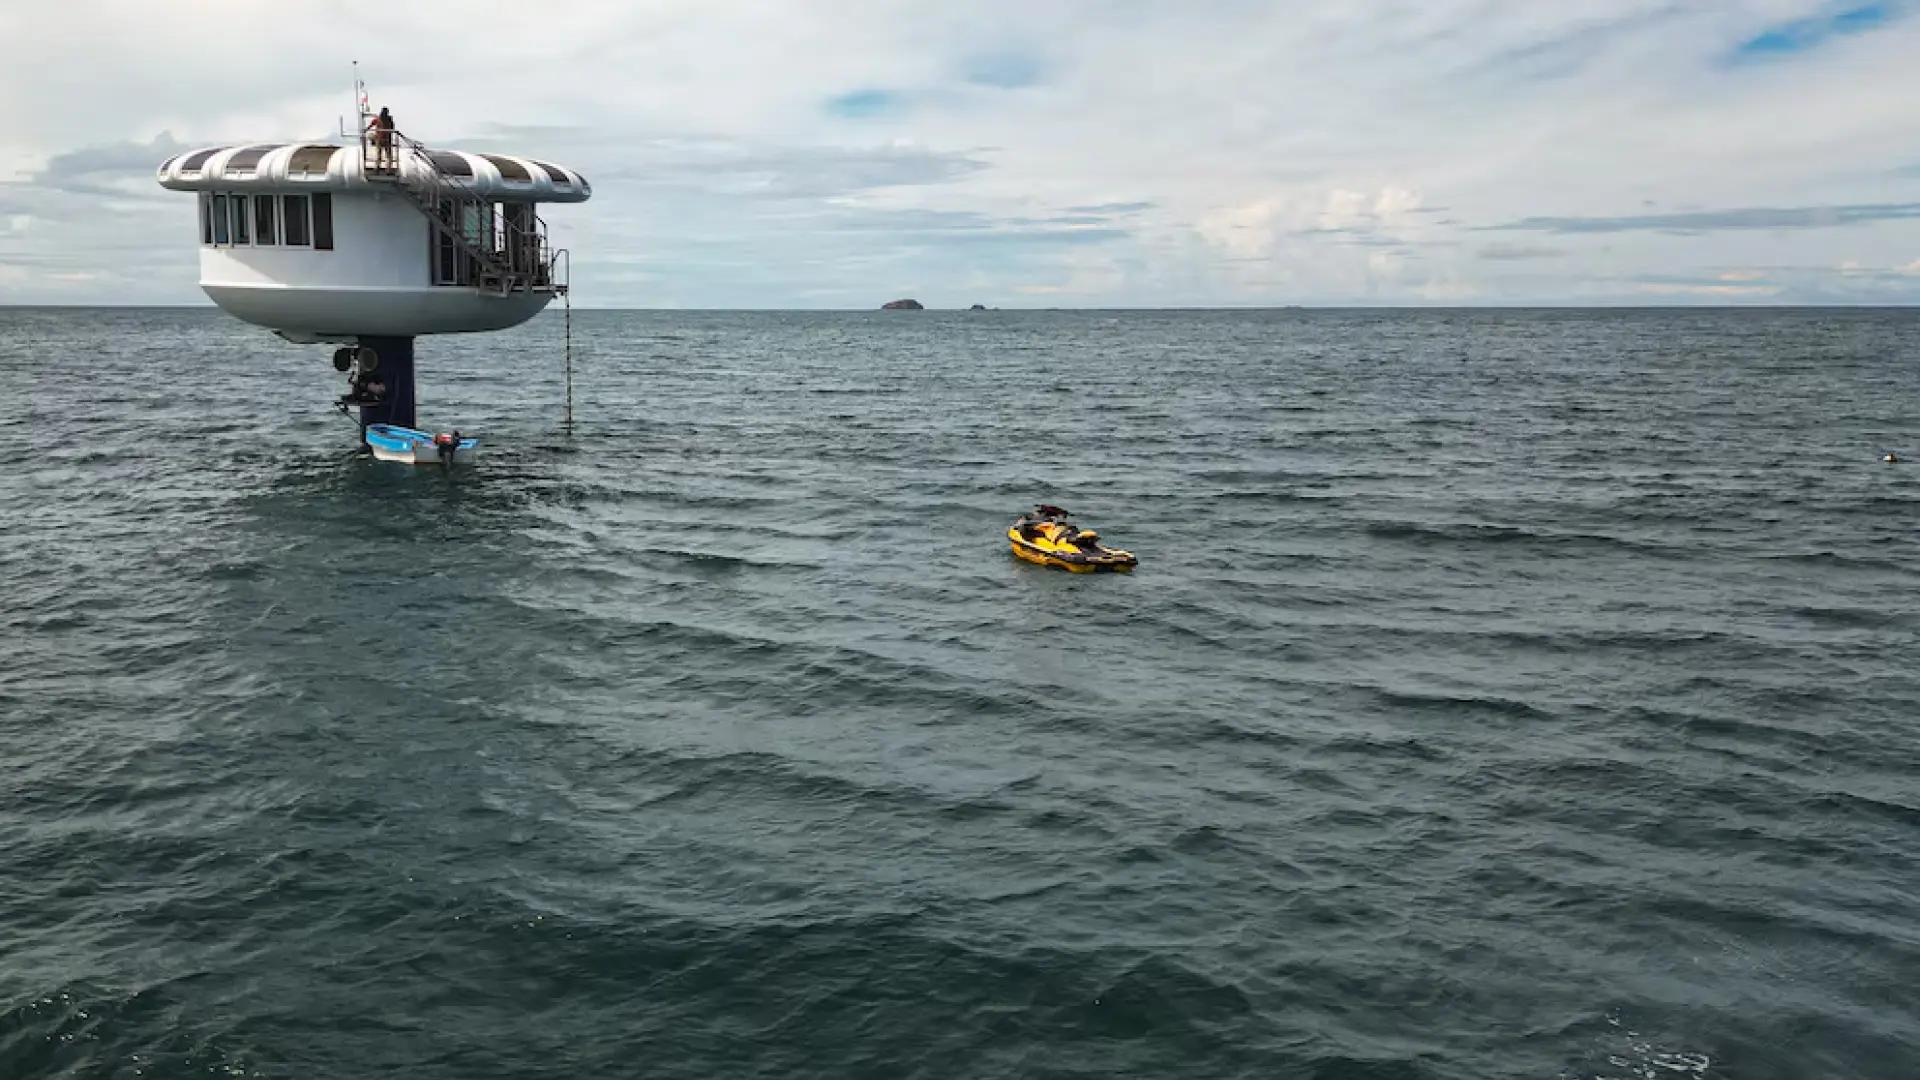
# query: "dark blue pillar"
{"points": [[395, 370]]}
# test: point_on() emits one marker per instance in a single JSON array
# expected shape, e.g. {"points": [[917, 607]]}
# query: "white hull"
{"points": [[409, 457], [375, 312]]}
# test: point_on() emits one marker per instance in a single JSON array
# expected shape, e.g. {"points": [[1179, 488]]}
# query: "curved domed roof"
{"points": [[327, 167]]}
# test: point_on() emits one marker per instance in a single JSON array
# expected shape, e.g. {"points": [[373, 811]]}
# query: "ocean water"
{"points": [[1501, 694]]}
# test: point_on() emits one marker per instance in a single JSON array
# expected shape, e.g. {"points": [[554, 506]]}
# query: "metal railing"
{"points": [[511, 259]]}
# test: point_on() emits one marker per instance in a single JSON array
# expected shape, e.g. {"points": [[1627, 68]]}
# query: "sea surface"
{"points": [[1501, 694]]}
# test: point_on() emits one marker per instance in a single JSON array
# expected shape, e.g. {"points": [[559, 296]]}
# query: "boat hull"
{"points": [[1106, 562], [411, 446]]}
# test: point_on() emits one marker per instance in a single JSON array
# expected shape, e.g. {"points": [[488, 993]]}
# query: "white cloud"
{"points": [[763, 153], [1719, 292]]}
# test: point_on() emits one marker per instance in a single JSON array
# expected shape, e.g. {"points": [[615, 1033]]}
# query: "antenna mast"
{"points": [[360, 111]]}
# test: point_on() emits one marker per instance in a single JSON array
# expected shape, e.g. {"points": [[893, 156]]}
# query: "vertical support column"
{"points": [[564, 295], [395, 371]]}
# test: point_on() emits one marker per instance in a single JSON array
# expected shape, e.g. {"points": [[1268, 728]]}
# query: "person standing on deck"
{"points": [[381, 128]]}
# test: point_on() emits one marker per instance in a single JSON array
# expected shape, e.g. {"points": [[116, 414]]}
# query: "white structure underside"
{"points": [[331, 312]]}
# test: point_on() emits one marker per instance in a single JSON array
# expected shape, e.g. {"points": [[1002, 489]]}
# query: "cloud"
{"points": [[89, 168], [1112, 208], [966, 227], [1268, 225], [1010, 69], [746, 153], [859, 104], [1714, 290], [773, 171], [1518, 252], [1848, 282], [1801, 217], [1575, 46]]}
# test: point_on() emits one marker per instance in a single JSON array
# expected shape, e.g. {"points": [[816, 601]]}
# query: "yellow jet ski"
{"points": [[1045, 536]]}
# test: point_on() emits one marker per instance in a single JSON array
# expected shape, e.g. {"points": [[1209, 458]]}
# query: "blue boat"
{"points": [[391, 442]]}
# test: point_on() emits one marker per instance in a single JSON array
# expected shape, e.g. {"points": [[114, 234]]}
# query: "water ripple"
{"points": [[1500, 694]]}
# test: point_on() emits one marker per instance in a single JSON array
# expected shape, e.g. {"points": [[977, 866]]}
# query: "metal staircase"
{"points": [[504, 259]]}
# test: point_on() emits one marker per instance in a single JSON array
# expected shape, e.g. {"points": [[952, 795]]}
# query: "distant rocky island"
{"points": [[910, 304]]}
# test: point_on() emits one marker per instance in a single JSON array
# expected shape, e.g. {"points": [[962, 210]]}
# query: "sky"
{"points": [[1040, 153]]}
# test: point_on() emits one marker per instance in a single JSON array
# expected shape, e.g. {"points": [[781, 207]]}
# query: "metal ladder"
{"points": [[434, 192]]}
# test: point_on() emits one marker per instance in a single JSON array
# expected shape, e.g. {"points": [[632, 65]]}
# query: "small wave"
{"points": [[1375, 746], [1464, 705], [1261, 479], [759, 776], [1469, 534], [235, 571], [1274, 498], [1864, 807], [1838, 561], [720, 563], [1850, 618], [1743, 729]]}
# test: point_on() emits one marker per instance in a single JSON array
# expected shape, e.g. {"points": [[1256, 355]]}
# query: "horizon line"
{"points": [[1511, 306]]}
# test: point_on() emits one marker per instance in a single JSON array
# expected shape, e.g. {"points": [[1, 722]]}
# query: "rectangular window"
{"points": [[474, 219], [449, 266], [323, 221], [206, 218], [296, 232], [513, 226], [242, 219], [446, 264], [266, 220], [220, 219]]}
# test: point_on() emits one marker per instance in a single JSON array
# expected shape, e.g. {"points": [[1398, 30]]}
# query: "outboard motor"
{"points": [[446, 443]]}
